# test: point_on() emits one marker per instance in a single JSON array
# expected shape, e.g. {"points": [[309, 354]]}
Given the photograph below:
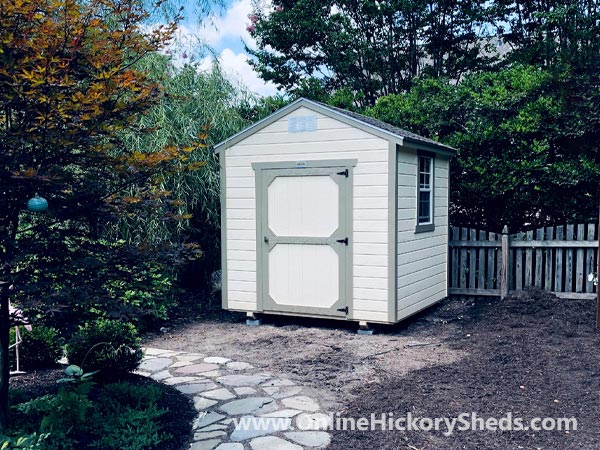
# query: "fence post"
{"points": [[504, 270]]}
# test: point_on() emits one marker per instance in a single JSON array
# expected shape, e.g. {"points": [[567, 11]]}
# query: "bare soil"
{"points": [[532, 355]]}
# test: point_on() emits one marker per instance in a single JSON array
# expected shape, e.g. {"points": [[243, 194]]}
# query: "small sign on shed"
{"points": [[328, 213]]}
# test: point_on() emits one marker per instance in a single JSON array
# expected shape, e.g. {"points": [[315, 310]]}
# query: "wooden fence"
{"points": [[556, 259]]}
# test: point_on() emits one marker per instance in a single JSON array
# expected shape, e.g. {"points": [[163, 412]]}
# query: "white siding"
{"points": [[422, 257], [332, 140]]}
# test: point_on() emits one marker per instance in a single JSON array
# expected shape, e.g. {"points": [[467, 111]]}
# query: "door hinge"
{"points": [[342, 241], [344, 172], [345, 310]]}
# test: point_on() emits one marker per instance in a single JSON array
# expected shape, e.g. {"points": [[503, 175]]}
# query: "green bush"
{"points": [[40, 348], [110, 347]]}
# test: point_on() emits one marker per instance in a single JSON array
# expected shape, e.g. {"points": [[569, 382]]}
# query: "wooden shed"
{"points": [[328, 213]]}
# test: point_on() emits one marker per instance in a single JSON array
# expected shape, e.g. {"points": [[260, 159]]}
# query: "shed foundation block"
{"points": [[363, 328], [253, 320]]}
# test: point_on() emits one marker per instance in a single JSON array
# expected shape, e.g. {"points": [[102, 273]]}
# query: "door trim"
{"points": [[261, 171]]}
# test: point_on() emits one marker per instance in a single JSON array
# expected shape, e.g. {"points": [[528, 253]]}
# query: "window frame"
{"points": [[422, 227]]}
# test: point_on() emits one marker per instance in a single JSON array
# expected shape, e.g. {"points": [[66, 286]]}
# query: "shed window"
{"points": [[425, 194]]}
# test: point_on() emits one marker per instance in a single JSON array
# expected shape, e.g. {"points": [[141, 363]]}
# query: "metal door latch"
{"points": [[345, 310], [266, 240], [343, 172], [342, 241]]}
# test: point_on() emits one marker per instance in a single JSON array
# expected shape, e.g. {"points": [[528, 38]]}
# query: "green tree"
{"points": [[68, 85], [199, 109], [369, 48], [519, 161]]}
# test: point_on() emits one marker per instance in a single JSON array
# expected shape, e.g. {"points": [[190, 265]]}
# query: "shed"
{"points": [[332, 214]]}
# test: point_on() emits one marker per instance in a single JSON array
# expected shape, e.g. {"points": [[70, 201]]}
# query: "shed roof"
{"points": [[368, 124]]}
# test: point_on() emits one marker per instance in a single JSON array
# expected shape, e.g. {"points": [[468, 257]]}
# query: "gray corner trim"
{"points": [[222, 187], [304, 164], [392, 232], [259, 220], [350, 232], [424, 228]]}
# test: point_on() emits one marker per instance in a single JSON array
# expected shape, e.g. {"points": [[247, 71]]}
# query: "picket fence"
{"points": [[556, 259]]}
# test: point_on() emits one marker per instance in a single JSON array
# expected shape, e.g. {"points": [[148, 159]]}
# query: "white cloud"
{"points": [[222, 33], [232, 24], [235, 66]]}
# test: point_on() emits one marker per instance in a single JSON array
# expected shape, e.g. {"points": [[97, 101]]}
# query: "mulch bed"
{"points": [[177, 421], [532, 355]]}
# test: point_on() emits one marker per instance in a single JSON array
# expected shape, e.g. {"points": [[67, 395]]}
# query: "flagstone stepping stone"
{"points": [[236, 365], [152, 351], [219, 394], [201, 403], [318, 421], [212, 374], [231, 446], [203, 420], [245, 390], [269, 407], [159, 376], [181, 364], [214, 427], [205, 445], [310, 438], [155, 364], [245, 405], [283, 391], [195, 388], [197, 368], [242, 380], [301, 402], [204, 435], [272, 443], [216, 360], [255, 428], [190, 357], [179, 380], [282, 413], [142, 374]]}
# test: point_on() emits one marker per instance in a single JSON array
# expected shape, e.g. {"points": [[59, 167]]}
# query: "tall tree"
{"points": [[369, 47], [518, 162], [68, 84]]}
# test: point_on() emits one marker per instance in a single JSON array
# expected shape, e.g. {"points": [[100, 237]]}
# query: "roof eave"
{"points": [[384, 134]]}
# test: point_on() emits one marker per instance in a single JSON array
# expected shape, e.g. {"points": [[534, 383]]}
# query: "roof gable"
{"points": [[367, 124]]}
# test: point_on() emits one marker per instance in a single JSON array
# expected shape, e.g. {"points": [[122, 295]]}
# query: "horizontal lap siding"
{"points": [[422, 257], [332, 140]]}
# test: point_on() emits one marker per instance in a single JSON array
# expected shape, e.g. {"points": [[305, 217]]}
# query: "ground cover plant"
{"points": [[134, 413]]}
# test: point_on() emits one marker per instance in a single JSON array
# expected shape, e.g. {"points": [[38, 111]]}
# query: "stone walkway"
{"points": [[278, 416]]}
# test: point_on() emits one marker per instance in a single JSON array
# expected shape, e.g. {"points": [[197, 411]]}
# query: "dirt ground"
{"points": [[328, 357], [531, 356]]}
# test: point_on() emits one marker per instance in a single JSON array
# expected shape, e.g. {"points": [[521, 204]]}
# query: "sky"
{"points": [[225, 34]]}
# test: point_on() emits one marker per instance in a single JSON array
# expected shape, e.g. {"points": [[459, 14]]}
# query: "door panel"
{"points": [[304, 248]]}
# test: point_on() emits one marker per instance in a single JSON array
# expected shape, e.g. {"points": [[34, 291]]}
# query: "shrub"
{"points": [[110, 347], [40, 348]]}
